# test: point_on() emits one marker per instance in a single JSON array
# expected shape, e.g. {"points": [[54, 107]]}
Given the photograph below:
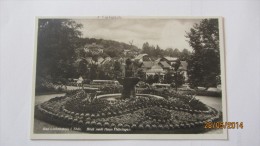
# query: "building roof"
{"points": [[140, 56], [89, 59], [170, 59], [147, 64], [155, 69], [127, 50], [157, 61], [107, 59], [100, 59], [165, 64]]}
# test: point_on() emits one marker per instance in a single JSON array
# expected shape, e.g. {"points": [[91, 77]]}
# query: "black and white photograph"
{"points": [[114, 77]]}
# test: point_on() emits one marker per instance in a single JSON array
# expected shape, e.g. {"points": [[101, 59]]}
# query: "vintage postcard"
{"points": [[113, 77]]}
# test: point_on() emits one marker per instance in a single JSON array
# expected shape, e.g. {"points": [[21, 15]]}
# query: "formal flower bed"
{"points": [[157, 113], [134, 115]]}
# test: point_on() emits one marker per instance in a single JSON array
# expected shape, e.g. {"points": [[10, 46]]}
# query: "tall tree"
{"points": [[168, 52], [158, 52], [204, 62], [117, 70], [176, 53], [57, 41], [185, 54], [178, 76], [93, 71], [152, 51], [83, 68], [150, 79], [108, 69], [141, 74], [168, 77], [146, 48], [156, 78]]}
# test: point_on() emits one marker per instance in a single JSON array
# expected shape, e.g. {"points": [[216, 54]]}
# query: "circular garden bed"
{"points": [[143, 114]]}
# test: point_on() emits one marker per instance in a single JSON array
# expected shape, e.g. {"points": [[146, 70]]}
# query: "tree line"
{"points": [[157, 52]]}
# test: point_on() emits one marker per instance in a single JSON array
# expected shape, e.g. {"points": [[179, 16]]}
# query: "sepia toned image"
{"points": [[112, 77]]}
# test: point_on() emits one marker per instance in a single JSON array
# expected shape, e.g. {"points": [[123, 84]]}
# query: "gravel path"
{"points": [[215, 102]]}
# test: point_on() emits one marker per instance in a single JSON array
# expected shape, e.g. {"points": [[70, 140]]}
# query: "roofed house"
{"points": [[107, 59], [183, 65], [130, 53], [147, 65], [86, 49], [165, 65], [100, 60], [142, 58], [119, 59], [89, 60], [93, 48], [156, 69], [126, 51], [169, 60], [157, 60]]}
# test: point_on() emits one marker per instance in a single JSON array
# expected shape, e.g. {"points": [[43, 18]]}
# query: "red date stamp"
{"points": [[224, 125]]}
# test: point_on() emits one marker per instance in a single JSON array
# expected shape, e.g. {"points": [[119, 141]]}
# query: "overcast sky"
{"points": [[167, 33]]}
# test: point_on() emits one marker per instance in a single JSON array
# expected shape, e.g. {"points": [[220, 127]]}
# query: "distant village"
{"points": [[150, 66]]}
